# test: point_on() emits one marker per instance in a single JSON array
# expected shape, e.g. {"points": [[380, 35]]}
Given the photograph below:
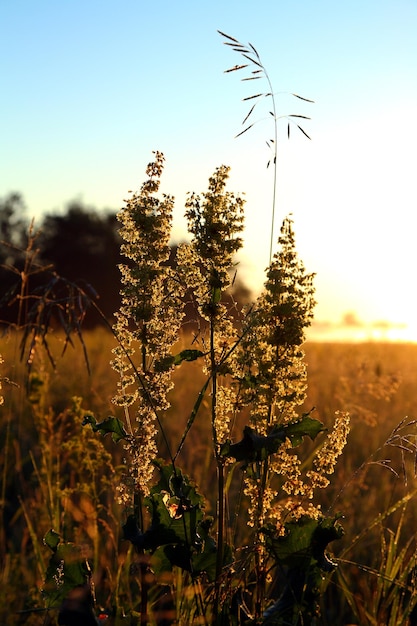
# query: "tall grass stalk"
{"points": [[253, 60]]}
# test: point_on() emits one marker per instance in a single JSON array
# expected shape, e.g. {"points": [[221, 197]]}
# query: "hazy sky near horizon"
{"points": [[90, 88]]}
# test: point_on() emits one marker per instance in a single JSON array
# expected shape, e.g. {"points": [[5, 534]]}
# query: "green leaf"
{"points": [[67, 569], [205, 559], [163, 365], [190, 558], [250, 381], [187, 355], [111, 425], [254, 447], [52, 539], [302, 551], [304, 540], [179, 534], [305, 427]]}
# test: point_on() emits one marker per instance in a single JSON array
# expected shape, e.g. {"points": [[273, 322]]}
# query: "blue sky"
{"points": [[90, 88]]}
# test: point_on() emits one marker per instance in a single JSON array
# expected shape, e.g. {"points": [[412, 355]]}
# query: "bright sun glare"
{"points": [[334, 332]]}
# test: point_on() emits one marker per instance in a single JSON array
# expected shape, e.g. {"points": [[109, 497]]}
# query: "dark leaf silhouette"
{"points": [[258, 95], [254, 50], [227, 36], [304, 132], [301, 98], [235, 68], [111, 425], [251, 60], [304, 117], [249, 114], [244, 131]]}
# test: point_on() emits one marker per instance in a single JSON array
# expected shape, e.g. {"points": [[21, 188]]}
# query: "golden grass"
{"points": [[376, 382]]}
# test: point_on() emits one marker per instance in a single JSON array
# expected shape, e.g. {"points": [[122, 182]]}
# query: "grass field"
{"points": [[55, 473]]}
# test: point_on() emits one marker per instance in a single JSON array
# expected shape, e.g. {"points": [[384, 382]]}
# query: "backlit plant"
{"points": [[261, 558], [253, 363]]}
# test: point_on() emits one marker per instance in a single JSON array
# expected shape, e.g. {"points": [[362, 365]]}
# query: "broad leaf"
{"points": [[111, 425], [305, 427], [163, 365], [254, 447], [187, 355], [67, 569], [305, 540], [179, 534], [302, 552]]}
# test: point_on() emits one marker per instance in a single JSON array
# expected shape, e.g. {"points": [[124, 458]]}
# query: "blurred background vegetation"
{"points": [[79, 243], [55, 473]]}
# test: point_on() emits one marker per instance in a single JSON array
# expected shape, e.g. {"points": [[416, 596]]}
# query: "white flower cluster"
{"points": [[215, 221], [148, 321]]}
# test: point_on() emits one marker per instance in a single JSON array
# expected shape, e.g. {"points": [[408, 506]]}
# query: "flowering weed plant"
{"points": [[262, 556]]}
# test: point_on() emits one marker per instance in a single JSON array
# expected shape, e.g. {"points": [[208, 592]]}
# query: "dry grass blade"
{"points": [[304, 132], [250, 113], [227, 36], [386, 464], [240, 49], [301, 98], [378, 519], [57, 301], [243, 131], [255, 51], [258, 95], [192, 417], [252, 60], [235, 68]]}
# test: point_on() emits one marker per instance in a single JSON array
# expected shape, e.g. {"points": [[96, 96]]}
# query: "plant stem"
{"points": [[220, 535], [220, 473], [274, 187], [143, 565]]}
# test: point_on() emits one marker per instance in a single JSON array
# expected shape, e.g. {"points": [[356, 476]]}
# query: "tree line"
{"points": [[76, 252], [80, 246]]}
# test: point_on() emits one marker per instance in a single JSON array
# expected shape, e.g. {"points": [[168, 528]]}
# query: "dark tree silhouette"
{"points": [[13, 237], [78, 248], [13, 228], [84, 247]]}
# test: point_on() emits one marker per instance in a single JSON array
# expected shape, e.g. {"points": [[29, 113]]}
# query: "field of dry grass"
{"points": [[375, 382]]}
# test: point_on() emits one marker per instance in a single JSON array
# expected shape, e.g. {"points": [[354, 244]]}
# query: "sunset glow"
{"points": [[382, 332], [82, 121]]}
